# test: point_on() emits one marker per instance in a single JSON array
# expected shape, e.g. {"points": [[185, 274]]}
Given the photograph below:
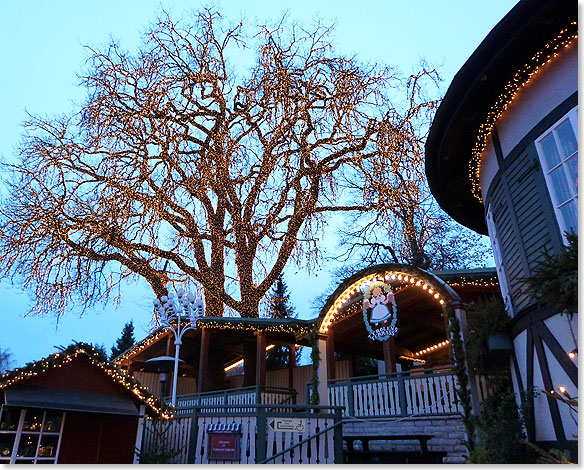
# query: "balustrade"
{"points": [[408, 393]]}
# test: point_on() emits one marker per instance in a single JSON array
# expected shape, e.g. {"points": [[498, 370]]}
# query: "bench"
{"points": [[422, 438]]}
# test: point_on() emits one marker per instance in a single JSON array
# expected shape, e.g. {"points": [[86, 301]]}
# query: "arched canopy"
{"points": [[417, 318], [399, 276]]}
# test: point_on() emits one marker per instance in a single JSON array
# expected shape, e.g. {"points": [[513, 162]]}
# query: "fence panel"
{"points": [[167, 437], [247, 440], [260, 427]]}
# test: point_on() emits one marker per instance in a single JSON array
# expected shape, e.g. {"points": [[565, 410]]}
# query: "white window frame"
{"points": [[501, 274], [572, 118], [20, 431]]}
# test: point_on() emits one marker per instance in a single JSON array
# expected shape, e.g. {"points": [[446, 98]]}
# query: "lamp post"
{"points": [[171, 315]]}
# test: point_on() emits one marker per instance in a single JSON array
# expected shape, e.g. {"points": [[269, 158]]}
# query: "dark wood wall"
{"points": [[98, 438]]}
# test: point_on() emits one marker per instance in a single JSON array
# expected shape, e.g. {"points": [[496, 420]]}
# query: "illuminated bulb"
{"points": [[562, 389], [425, 287], [430, 291], [436, 295], [412, 280]]}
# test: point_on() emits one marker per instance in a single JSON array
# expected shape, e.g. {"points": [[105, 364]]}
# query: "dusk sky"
{"points": [[42, 52]]}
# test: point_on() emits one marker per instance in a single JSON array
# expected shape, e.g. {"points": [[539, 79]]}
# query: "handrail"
{"points": [[348, 419], [265, 406], [392, 375], [231, 391], [303, 441]]}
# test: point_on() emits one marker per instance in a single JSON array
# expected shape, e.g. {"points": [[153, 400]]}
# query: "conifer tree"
{"points": [[124, 342], [278, 357]]}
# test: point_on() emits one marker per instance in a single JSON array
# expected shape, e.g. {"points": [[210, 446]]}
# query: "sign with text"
{"points": [[223, 445], [289, 424]]}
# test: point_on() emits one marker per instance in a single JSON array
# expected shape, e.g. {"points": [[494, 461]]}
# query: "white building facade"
{"points": [[502, 158]]}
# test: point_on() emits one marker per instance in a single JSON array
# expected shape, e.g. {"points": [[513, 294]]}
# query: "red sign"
{"points": [[223, 446]]}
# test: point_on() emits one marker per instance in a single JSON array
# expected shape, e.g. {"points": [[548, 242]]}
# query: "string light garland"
{"points": [[492, 281], [413, 359], [139, 347], [236, 324], [222, 323], [432, 348], [566, 38], [96, 358]]}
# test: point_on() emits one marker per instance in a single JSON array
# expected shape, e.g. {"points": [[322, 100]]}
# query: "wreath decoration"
{"points": [[383, 333]]}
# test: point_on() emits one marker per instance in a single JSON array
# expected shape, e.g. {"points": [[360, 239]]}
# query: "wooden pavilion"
{"points": [[218, 345]]}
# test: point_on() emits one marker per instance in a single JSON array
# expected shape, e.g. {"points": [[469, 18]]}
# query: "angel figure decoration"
{"points": [[378, 303]]}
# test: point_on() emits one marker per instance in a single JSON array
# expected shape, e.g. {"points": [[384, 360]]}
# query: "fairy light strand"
{"points": [[58, 360], [522, 78], [357, 288], [432, 348]]}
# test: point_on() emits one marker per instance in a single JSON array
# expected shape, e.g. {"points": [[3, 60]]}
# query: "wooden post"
{"points": [[330, 355], [249, 363], [193, 437], [472, 384], [323, 371], [338, 437], [130, 365], [261, 436], [139, 434], [401, 387], [168, 343], [261, 359], [389, 354], [202, 379], [291, 365]]}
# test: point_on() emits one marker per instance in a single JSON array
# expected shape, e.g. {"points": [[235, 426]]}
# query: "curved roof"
{"points": [[512, 43], [439, 281]]}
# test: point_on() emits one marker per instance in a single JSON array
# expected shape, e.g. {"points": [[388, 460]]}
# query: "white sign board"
{"points": [[289, 424]]}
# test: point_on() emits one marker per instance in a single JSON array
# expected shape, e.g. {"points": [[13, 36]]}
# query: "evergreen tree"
{"points": [[277, 357], [5, 360], [124, 342]]}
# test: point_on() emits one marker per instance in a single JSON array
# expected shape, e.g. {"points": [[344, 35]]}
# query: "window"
{"points": [[30, 435], [558, 154], [499, 262]]}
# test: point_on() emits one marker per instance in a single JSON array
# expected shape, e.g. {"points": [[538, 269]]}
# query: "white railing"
{"points": [[419, 392], [239, 396]]}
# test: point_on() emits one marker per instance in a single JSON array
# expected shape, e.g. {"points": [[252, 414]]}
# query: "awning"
{"points": [[69, 400]]}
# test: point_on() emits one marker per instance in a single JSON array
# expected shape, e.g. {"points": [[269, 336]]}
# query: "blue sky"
{"points": [[42, 51]]}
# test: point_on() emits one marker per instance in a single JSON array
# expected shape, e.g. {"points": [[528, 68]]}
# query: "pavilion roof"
{"points": [[295, 326]]}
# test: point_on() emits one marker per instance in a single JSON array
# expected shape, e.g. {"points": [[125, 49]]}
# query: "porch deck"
{"points": [[409, 393]]}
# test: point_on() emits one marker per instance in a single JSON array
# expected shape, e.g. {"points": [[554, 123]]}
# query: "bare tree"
{"points": [[176, 169], [407, 226]]}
